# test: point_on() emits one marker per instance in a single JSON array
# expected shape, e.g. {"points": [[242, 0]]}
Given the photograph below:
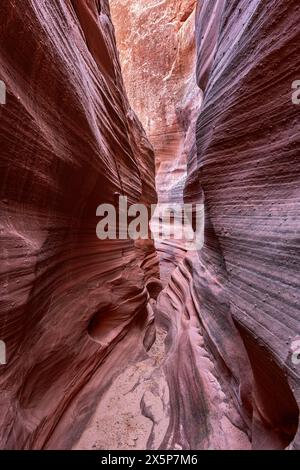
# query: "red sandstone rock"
{"points": [[74, 311], [248, 168], [156, 41], [204, 369], [231, 310], [69, 141]]}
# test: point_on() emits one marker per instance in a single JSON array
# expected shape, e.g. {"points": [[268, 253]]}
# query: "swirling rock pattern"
{"points": [[248, 167], [69, 141], [237, 301], [75, 311], [208, 392]]}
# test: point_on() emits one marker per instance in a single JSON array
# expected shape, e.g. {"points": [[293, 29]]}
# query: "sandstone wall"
{"points": [[248, 167], [231, 309], [69, 141]]}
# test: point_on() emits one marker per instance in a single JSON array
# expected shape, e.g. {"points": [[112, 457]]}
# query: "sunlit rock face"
{"points": [[205, 363], [156, 41], [73, 308]]}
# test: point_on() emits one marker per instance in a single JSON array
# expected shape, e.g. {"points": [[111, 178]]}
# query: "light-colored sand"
{"points": [[118, 422]]}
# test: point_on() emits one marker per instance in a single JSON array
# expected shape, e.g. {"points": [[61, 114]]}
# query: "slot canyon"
{"points": [[145, 344]]}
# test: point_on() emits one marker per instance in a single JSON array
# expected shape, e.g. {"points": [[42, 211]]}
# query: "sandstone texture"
{"points": [[231, 310], [156, 40], [107, 348], [69, 141], [247, 164]]}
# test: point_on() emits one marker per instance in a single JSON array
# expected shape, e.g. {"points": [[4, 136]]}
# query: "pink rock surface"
{"points": [[248, 167], [69, 141], [75, 312], [232, 309], [157, 48]]}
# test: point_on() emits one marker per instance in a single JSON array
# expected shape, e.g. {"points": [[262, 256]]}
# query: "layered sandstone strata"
{"points": [[236, 302], [74, 310], [69, 141], [247, 164], [232, 309]]}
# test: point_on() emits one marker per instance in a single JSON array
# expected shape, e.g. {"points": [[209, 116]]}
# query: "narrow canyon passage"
{"points": [[158, 66], [121, 343], [198, 394], [138, 410]]}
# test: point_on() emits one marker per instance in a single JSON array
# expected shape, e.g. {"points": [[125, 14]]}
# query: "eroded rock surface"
{"points": [[248, 166], [232, 309], [69, 142], [75, 313], [156, 41]]}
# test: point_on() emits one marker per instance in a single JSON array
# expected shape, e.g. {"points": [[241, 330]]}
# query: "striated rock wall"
{"points": [[75, 312], [232, 309], [209, 392], [69, 141], [248, 167]]}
